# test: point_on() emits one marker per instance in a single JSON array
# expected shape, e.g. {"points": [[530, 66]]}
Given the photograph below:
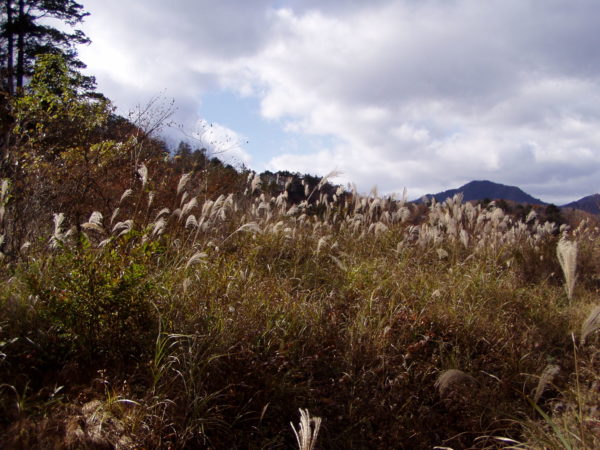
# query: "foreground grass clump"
{"points": [[210, 322]]}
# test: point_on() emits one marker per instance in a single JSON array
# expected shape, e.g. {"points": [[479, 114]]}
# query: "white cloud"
{"points": [[426, 94]]}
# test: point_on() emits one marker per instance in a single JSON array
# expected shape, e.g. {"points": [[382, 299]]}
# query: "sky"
{"points": [[422, 94]]}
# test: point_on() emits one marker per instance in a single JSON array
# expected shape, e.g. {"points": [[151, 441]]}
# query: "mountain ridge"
{"points": [[589, 203], [484, 189]]}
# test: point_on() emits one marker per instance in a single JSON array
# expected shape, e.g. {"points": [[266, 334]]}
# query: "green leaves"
{"points": [[100, 301]]}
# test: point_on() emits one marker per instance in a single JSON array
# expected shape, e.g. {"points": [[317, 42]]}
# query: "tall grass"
{"points": [[218, 317]]}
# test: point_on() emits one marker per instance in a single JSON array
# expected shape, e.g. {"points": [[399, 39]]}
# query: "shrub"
{"points": [[98, 303]]}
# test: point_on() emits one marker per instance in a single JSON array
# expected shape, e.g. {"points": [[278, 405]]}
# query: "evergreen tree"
{"points": [[26, 33]]}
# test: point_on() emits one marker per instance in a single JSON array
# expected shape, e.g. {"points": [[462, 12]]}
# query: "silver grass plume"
{"points": [[123, 227], [183, 198], [250, 227], [104, 242], [590, 325], [322, 242], [186, 284], [114, 215], [306, 436], [4, 189], [183, 182], [191, 222], [550, 371], [219, 204], [442, 254], [464, 238], [125, 195], [332, 174], [380, 228], [150, 198], [293, 210], [162, 212], [3, 198], [195, 258], [94, 222], [206, 207], [255, 185], [566, 252], [58, 236], [159, 226], [143, 173], [281, 200], [189, 206]]}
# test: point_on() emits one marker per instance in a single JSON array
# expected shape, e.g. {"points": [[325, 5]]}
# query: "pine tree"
{"points": [[26, 33]]}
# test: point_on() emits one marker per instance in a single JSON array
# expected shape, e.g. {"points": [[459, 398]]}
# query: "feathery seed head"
{"points": [[256, 183], [143, 173], [191, 222], [183, 198], [566, 252], [590, 325], [195, 258], [159, 226], [183, 181], [550, 371], [162, 212], [122, 227], [306, 436], [531, 216], [4, 189], [189, 206], [114, 214], [125, 195], [150, 198]]}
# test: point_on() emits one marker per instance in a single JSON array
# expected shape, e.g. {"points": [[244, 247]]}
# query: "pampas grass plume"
{"points": [[550, 371], [183, 181], [590, 324], [306, 436], [566, 252], [126, 194], [143, 173], [195, 258]]}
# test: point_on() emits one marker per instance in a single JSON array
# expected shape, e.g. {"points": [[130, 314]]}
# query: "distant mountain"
{"points": [[590, 204], [480, 190]]}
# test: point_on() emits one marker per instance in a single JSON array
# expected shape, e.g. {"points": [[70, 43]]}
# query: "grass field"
{"points": [[209, 322]]}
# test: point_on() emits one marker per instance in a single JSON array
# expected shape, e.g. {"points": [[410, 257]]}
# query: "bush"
{"points": [[98, 303]]}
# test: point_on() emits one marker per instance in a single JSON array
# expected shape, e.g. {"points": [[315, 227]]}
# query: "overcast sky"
{"points": [[423, 94]]}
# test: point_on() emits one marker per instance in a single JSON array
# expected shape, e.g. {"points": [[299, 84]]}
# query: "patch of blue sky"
{"points": [[263, 139]]}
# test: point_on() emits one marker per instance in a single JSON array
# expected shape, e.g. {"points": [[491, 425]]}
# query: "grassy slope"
{"points": [[212, 332]]}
